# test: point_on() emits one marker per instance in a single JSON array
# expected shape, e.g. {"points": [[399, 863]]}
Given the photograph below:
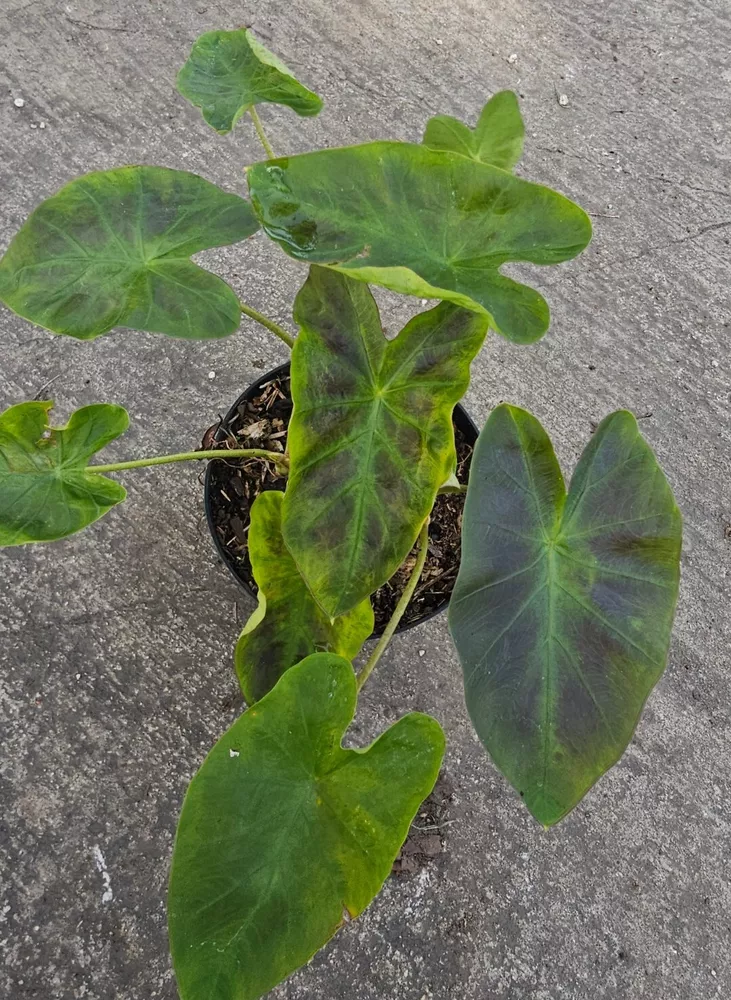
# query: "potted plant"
{"points": [[562, 609]]}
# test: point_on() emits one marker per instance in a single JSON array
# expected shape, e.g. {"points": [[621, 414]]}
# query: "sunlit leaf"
{"points": [[371, 438], [228, 71], [47, 490], [497, 138], [113, 249], [288, 624], [285, 835], [423, 222], [563, 606]]}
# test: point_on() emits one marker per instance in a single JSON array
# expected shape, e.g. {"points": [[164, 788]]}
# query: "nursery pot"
{"points": [[229, 491]]}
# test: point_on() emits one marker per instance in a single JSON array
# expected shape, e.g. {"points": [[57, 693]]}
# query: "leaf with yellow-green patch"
{"points": [[371, 438], [284, 834], [497, 138], [288, 624]]}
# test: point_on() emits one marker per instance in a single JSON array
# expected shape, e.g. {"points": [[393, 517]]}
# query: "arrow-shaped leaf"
{"points": [[228, 71], [288, 624], [113, 249], [47, 490], [423, 222], [284, 835], [371, 438], [564, 604], [497, 138]]}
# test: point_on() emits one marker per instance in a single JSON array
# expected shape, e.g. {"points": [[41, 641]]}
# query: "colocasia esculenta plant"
{"points": [[562, 609]]}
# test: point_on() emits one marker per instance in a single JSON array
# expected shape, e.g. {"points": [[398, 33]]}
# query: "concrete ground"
{"points": [[116, 645]]}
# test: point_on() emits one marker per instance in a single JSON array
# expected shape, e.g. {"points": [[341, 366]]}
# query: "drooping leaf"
{"points": [[284, 835], [370, 439], [113, 249], [47, 490], [288, 624], [563, 606], [423, 222], [228, 71], [497, 138]]}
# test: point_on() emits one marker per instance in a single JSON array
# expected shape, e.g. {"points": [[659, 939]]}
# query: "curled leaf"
{"points": [[47, 490]]}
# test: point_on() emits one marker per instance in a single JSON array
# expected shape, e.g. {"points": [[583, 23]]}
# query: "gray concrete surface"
{"points": [[116, 645]]}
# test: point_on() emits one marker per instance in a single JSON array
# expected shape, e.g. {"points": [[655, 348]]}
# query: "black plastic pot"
{"points": [[460, 418]]}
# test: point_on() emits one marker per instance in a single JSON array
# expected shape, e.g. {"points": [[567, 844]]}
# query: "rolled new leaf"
{"points": [[47, 490], [497, 138], [422, 222], [229, 71], [288, 624], [371, 438], [564, 603], [285, 835], [113, 249]]}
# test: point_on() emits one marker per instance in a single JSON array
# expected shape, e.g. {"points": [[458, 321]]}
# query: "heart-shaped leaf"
{"points": [[47, 490], [563, 606], [285, 835], [497, 138], [371, 438], [112, 249], [288, 624], [423, 222], [228, 71]]}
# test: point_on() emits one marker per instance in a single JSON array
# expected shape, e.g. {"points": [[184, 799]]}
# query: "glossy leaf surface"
{"points": [[497, 138], [423, 222], [228, 71], [563, 606], [371, 439], [113, 249], [288, 624], [284, 835], [46, 489]]}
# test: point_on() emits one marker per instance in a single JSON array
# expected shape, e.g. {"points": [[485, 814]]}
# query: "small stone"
{"points": [[563, 100], [19, 102], [513, 58], [211, 375], [422, 652], [42, 125], [439, 41], [33, 125], [714, 363]]}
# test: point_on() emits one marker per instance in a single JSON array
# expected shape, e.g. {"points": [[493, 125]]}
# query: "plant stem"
{"points": [[445, 490], [400, 608], [268, 323], [261, 133], [187, 456]]}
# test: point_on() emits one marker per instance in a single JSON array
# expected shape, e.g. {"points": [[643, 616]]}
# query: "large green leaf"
{"points": [[421, 221], [112, 249], [563, 606], [46, 489], [228, 71], [497, 138], [284, 835], [288, 624], [371, 439]]}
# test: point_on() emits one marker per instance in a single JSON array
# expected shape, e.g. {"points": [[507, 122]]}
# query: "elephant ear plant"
{"points": [[563, 606]]}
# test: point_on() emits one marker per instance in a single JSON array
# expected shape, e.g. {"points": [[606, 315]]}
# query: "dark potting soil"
{"points": [[262, 423]]}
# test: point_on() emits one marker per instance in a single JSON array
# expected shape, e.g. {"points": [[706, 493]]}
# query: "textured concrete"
{"points": [[116, 645]]}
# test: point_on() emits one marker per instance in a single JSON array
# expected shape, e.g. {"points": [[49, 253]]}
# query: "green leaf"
{"points": [[563, 606], [288, 624], [284, 835], [112, 249], [497, 138], [423, 222], [46, 489], [370, 440], [228, 71]]}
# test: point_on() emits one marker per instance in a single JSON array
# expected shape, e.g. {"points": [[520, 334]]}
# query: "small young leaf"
{"points": [[497, 138], [563, 605], [371, 438], [422, 222], [288, 625], [113, 249], [47, 490], [228, 71], [284, 835]]}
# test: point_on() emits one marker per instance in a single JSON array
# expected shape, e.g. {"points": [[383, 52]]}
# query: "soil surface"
{"points": [[261, 422]]}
